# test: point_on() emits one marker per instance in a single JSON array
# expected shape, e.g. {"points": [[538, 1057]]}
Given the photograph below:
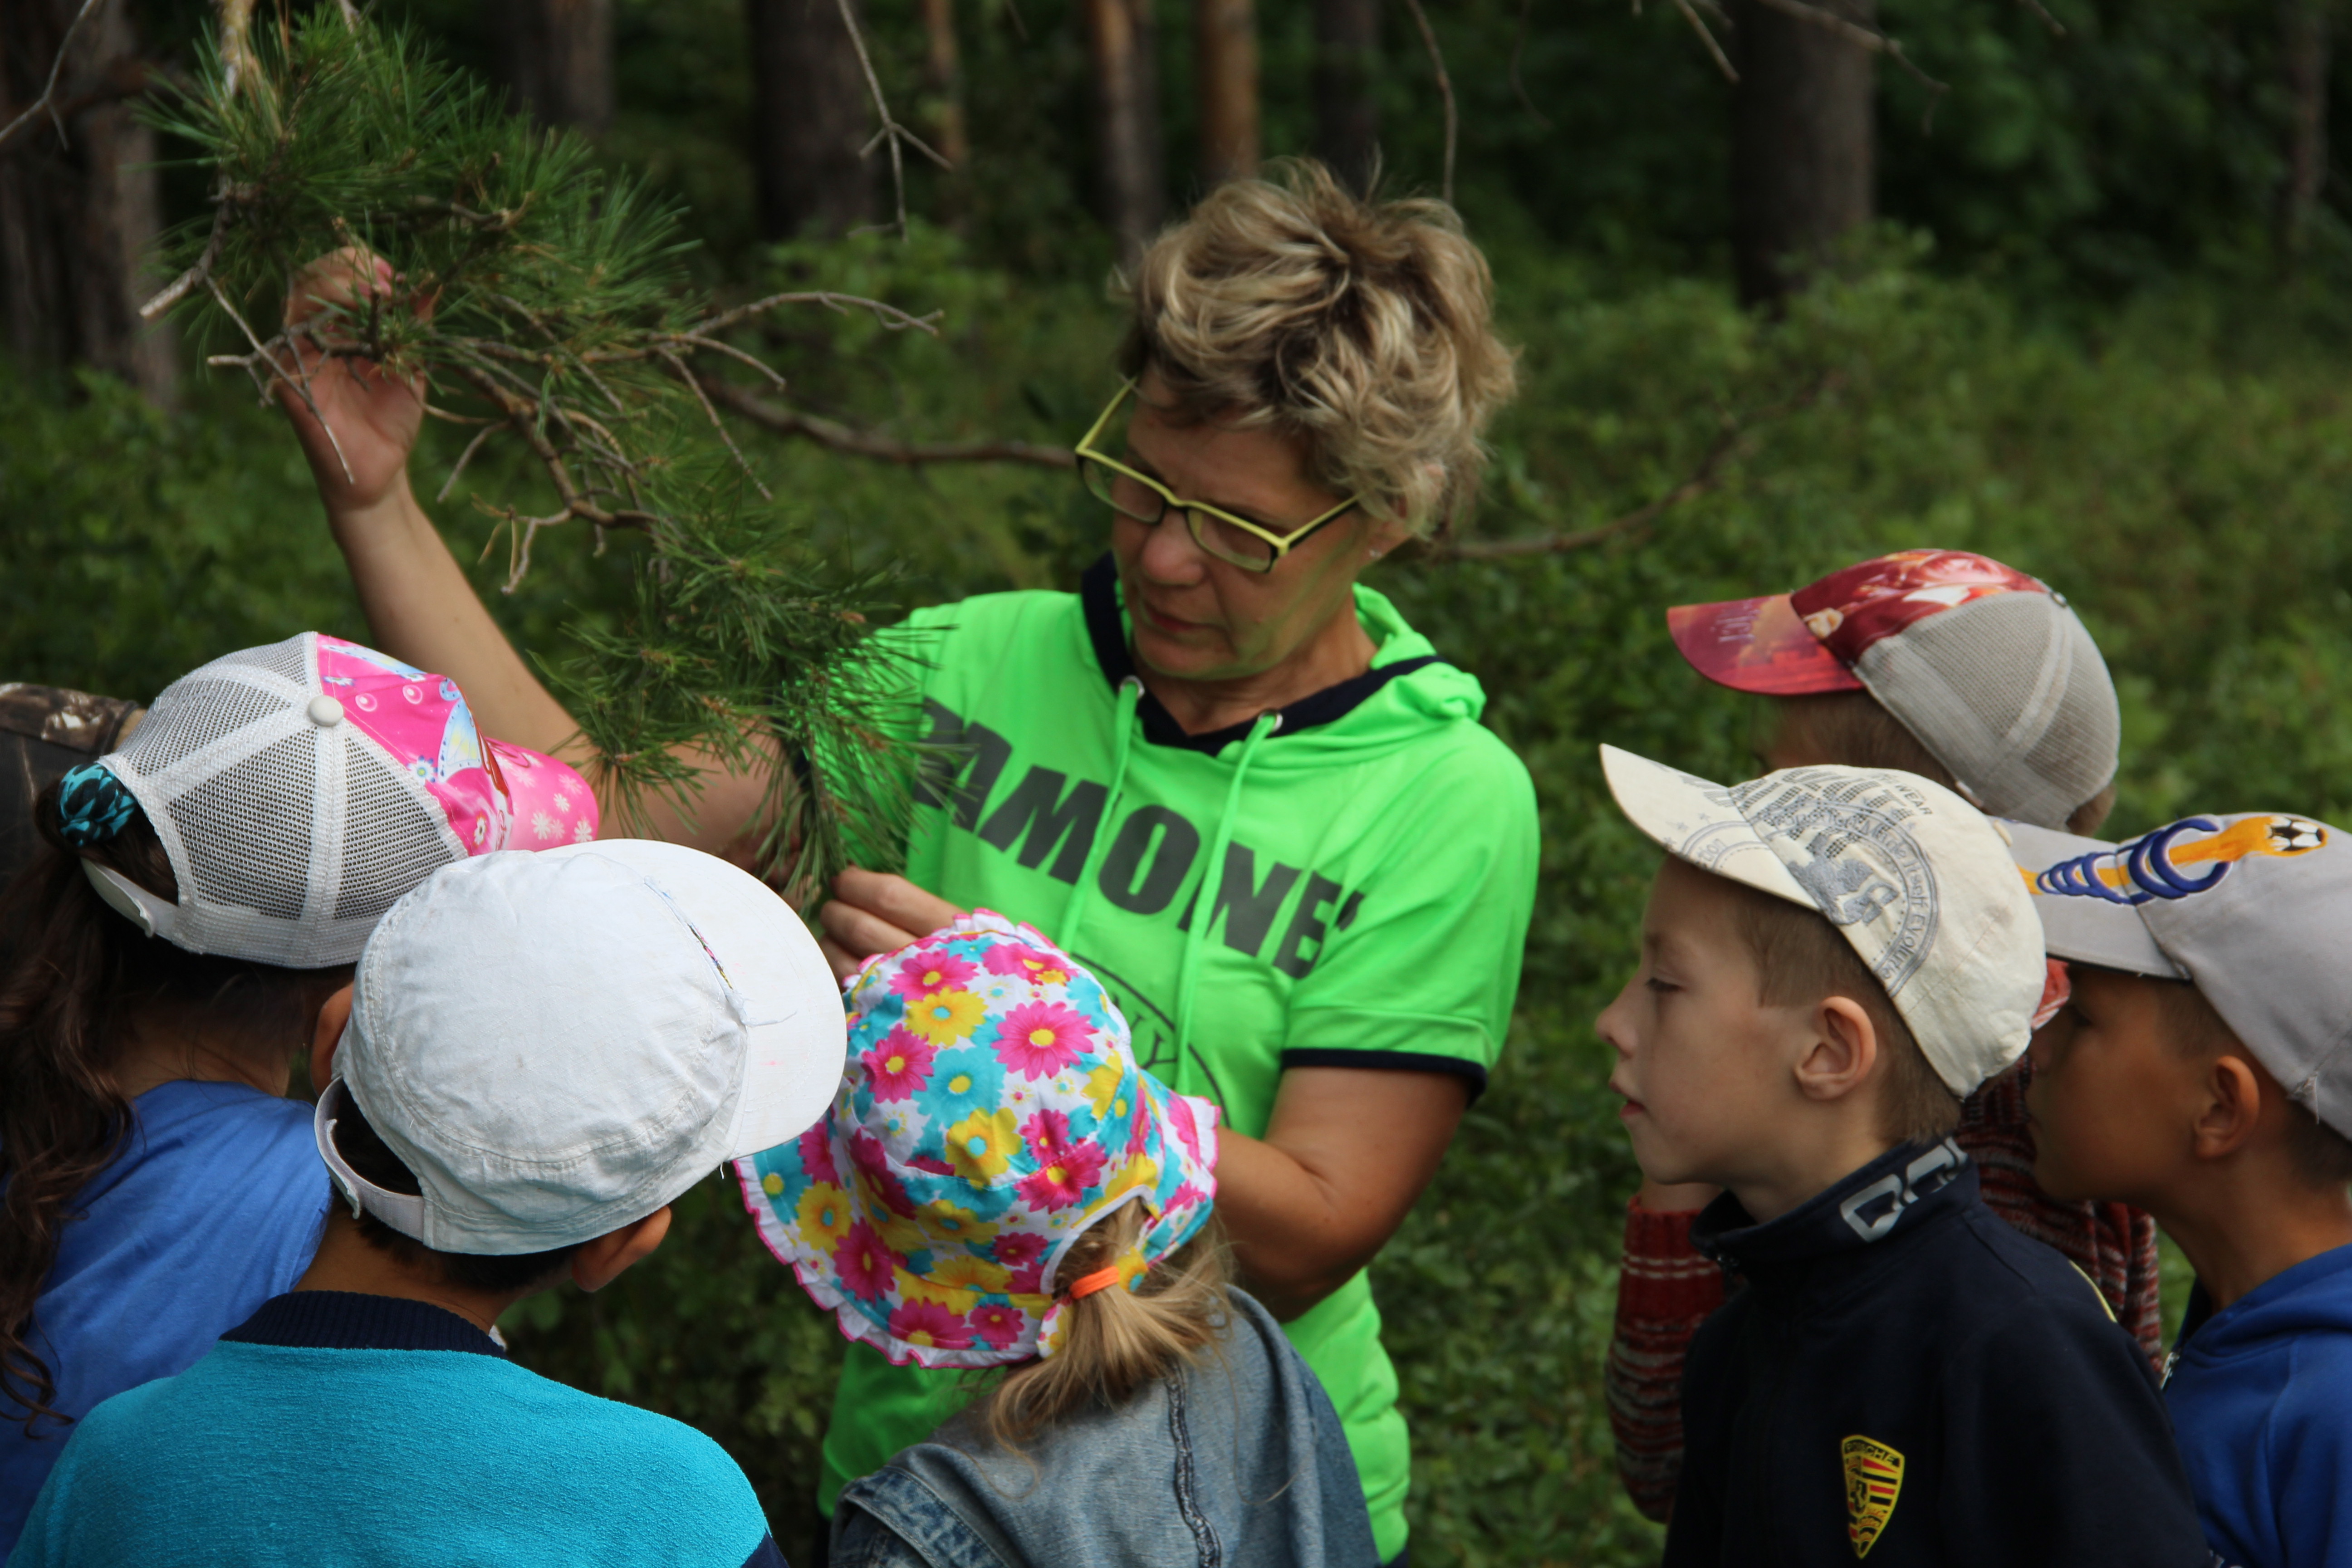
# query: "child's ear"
{"points": [[600, 1262], [1844, 1048], [2232, 1097], [332, 1016]]}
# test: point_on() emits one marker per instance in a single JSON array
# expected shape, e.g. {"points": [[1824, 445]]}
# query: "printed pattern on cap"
{"points": [[1919, 883], [992, 1110], [292, 826]]}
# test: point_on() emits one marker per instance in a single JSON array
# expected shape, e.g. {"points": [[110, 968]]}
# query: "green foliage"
{"points": [[528, 260]]}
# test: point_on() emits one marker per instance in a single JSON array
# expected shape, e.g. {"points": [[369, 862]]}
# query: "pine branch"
{"points": [[542, 302]]}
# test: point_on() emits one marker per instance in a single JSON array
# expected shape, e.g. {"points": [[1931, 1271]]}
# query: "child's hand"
{"points": [[375, 418]]}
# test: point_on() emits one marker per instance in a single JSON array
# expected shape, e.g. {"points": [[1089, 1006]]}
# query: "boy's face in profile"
{"points": [[1704, 1065], [2112, 1097]]}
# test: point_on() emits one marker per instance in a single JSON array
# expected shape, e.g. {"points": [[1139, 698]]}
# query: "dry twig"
{"points": [[48, 102], [1731, 443], [1863, 38], [848, 438], [1445, 88], [1714, 49], [892, 131]]}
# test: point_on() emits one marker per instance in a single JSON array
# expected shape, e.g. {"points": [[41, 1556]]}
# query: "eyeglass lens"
{"points": [[1130, 497]]}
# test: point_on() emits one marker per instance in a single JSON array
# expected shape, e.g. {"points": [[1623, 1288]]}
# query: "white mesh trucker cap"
{"points": [[559, 1043], [300, 787], [1988, 666], [2252, 909], [1918, 880]]}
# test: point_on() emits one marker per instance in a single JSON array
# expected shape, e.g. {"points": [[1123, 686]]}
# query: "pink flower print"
{"points": [[583, 831], [543, 826], [1038, 1039], [865, 1267], [1020, 1248], [923, 973], [1179, 1111], [998, 1326], [1184, 1197], [1011, 958], [1029, 1281], [1066, 1181], [928, 1324], [816, 1155], [1048, 1133], [898, 1066], [874, 1173]]}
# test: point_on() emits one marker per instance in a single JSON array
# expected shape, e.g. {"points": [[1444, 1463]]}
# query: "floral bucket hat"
{"points": [[991, 1111]]}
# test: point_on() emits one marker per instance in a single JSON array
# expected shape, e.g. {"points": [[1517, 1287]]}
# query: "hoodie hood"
{"points": [[1408, 688], [2313, 1296]]}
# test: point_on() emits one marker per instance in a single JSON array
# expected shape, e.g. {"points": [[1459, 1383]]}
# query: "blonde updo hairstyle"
{"points": [[1362, 329]]}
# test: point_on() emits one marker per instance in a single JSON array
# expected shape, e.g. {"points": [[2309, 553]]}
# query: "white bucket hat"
{"points": [[558, 1044], [1919, 881]]}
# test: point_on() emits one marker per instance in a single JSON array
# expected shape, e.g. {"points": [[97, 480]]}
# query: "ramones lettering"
{"points": [[1048, 821]]}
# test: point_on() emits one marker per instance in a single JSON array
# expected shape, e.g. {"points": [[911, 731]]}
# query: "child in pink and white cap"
{"points": [[164, 961]]}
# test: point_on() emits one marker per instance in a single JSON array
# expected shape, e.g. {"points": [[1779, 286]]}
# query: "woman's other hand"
{"points": [[874, 912], [375, 418]]}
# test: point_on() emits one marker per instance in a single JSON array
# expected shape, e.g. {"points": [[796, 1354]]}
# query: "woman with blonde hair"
{"points": [[1001, 1186], [1225, 774]]}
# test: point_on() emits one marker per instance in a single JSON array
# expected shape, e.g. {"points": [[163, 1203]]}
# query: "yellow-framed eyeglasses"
{"points": [[1252, 546]]}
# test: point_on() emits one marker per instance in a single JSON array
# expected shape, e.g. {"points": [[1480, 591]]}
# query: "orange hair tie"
{"points": [[1088, 1284]]}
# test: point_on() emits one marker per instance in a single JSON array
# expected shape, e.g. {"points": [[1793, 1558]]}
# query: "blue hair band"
{"points": [[93, 806]]}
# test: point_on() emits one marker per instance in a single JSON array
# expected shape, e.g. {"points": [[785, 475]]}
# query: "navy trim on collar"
{"points": [[346, 1321], [1098, 594]]}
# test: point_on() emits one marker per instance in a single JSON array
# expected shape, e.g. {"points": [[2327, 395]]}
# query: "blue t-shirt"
{"points": [[214, 1206], [336, 1427]]}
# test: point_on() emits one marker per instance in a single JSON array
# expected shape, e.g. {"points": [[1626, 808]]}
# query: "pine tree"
{"points": [[542, 300]]}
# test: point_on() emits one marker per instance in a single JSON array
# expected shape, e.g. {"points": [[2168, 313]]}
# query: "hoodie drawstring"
{"points": [[1204, 898], [1130, 694]]}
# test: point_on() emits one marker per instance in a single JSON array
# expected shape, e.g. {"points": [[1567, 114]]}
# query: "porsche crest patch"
{"points": [[1874, 1477]]}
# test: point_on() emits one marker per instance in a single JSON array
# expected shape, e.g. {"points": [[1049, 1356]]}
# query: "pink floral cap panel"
{"points": [[497, 795], [991, 1111]]}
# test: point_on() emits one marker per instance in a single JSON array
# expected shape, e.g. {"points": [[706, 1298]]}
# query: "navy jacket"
{"points": [[1906, 1380]]}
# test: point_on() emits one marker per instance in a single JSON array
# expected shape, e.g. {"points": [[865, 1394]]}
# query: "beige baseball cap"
{"points": [[1919, 881]]}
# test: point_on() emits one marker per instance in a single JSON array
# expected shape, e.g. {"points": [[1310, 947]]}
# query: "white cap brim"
{"points": [[796, 1033], [2102, 930], [1696, 821]]}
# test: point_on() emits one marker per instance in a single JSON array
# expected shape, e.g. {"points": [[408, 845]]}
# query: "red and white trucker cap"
{"points": [[1988, 668], [301, 788]]}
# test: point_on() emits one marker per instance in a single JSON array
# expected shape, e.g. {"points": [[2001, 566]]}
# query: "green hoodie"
{"points": [[1377, 849]]}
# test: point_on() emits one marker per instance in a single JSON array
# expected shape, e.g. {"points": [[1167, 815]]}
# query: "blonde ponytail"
{"points": [[1115, 1341]]}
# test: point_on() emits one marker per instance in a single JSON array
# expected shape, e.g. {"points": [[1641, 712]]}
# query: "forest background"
{"points": [[2093, 319]]}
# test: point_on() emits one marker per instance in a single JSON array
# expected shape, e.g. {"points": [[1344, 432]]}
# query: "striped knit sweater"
{"points": [[1667, 1288]]}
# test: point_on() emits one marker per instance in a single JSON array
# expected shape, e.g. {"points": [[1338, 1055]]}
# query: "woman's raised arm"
{"points": [[419, 605]]}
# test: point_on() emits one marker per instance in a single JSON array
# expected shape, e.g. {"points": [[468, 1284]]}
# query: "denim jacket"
{"points": [[1238, 1459]]}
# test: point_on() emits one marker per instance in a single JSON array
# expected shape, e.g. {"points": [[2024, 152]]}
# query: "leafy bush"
{"points": [[2185, 480]]}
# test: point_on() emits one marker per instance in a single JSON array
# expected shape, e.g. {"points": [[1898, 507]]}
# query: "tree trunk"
{"points": [[78, 214], [1225, 67], [1125, 62], [2305, 44], [557, 57], [943, 83], [1347, 116], [1802, 143], [809, 120]]}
